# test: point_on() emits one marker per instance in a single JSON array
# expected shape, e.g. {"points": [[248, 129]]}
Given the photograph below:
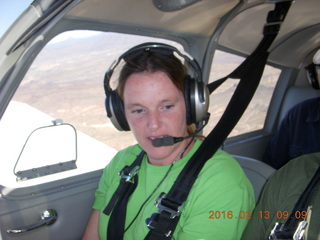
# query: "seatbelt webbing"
{"points": [[119, 200], [213, 141], [181, 188], [305, 198], [288, 229]]}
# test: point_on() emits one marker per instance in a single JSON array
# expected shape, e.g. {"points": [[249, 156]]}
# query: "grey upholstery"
{"points": [[257, 172]]}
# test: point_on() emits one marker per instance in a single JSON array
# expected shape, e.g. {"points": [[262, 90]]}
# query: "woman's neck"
{"points": [[183, 148]]}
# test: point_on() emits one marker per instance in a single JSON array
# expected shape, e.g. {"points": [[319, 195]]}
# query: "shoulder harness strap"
{"points": [[120, 198], [295, 226]]}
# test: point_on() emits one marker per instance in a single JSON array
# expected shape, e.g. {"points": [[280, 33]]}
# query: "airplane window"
{"points": [[65, 82], [254, 117]]}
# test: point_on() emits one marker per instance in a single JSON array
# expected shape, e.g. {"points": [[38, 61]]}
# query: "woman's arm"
{"points": [[91, 232]]}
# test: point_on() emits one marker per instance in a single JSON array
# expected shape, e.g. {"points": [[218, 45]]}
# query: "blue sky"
{"points": [[9, 11]]}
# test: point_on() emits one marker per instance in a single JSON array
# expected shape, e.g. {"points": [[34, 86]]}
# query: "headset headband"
{"points": [[157, 48]]}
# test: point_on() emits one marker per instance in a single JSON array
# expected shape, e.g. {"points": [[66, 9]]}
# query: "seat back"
{"points": [[294, 96], [257, 172]]}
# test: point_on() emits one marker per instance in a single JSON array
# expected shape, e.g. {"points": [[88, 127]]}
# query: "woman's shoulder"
{"points": [[222, 163], [219, 159], [131, 151], [125, 157]]}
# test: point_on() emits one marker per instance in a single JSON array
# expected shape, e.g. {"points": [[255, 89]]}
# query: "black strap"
{"points": [[160, 225], [119, 200], [288, 229], [249, 72], [180, 190]]}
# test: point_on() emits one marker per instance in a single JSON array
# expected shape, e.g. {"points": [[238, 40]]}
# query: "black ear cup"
{"points": [[115, 111], [196, 92], [312, 76], [317, 76]]}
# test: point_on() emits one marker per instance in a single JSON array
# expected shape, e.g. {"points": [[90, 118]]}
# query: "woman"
{"points": [[151, 86]]}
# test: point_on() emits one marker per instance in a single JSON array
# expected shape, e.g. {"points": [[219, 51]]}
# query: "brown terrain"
{"points": [[66, 82]]}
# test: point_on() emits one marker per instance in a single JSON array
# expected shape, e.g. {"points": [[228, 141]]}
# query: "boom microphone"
{"points": [[168, 140]]}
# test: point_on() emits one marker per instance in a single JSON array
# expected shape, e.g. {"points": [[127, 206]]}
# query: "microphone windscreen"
{"points": [[163, 141]]}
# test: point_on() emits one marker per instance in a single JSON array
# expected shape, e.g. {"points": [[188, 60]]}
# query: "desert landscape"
{"points": [[66, 82]]}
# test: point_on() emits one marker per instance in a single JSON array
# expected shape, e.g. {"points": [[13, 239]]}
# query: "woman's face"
{"points": [[155, 107]]}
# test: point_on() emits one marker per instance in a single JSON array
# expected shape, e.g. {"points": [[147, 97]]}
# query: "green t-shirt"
{"points": [[280, 195], [218, 196]]}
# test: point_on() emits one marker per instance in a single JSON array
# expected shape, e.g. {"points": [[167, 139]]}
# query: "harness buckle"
{"points": [[276, 228], [128, 175], [172, 208], [298, 234], [301, 229], [167, 210]]}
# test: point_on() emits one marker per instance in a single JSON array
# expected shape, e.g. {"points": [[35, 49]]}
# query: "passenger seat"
{"points": [[257, 172]]}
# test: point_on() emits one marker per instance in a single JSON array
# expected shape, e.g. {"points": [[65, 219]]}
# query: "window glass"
{"points": [[10, 11], [254, 116], [65, 85]]}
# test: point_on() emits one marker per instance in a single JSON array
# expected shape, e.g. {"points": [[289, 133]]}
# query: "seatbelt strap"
{"points": [[288, 230], [270, 32], [172, 203], [249, 72], [120, 198]]}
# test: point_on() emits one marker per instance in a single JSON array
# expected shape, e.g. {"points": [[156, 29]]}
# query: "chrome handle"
{"points": [[47, 217]]}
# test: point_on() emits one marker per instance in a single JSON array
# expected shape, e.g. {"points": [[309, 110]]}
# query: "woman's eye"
{"points": [[140, 110], [168, 106]]}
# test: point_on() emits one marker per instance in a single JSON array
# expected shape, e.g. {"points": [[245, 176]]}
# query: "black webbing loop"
{"points": [[276, 17], [270, 32], [249, 63], [160, 225], [119, 200], [249, 73], [288, 229]]}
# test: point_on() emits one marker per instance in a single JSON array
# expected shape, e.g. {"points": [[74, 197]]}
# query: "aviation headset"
{"points": [[195, 90], [313, 71]]}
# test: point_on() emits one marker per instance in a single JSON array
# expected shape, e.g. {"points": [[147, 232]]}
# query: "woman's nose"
{"points": [[154, 120]]}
